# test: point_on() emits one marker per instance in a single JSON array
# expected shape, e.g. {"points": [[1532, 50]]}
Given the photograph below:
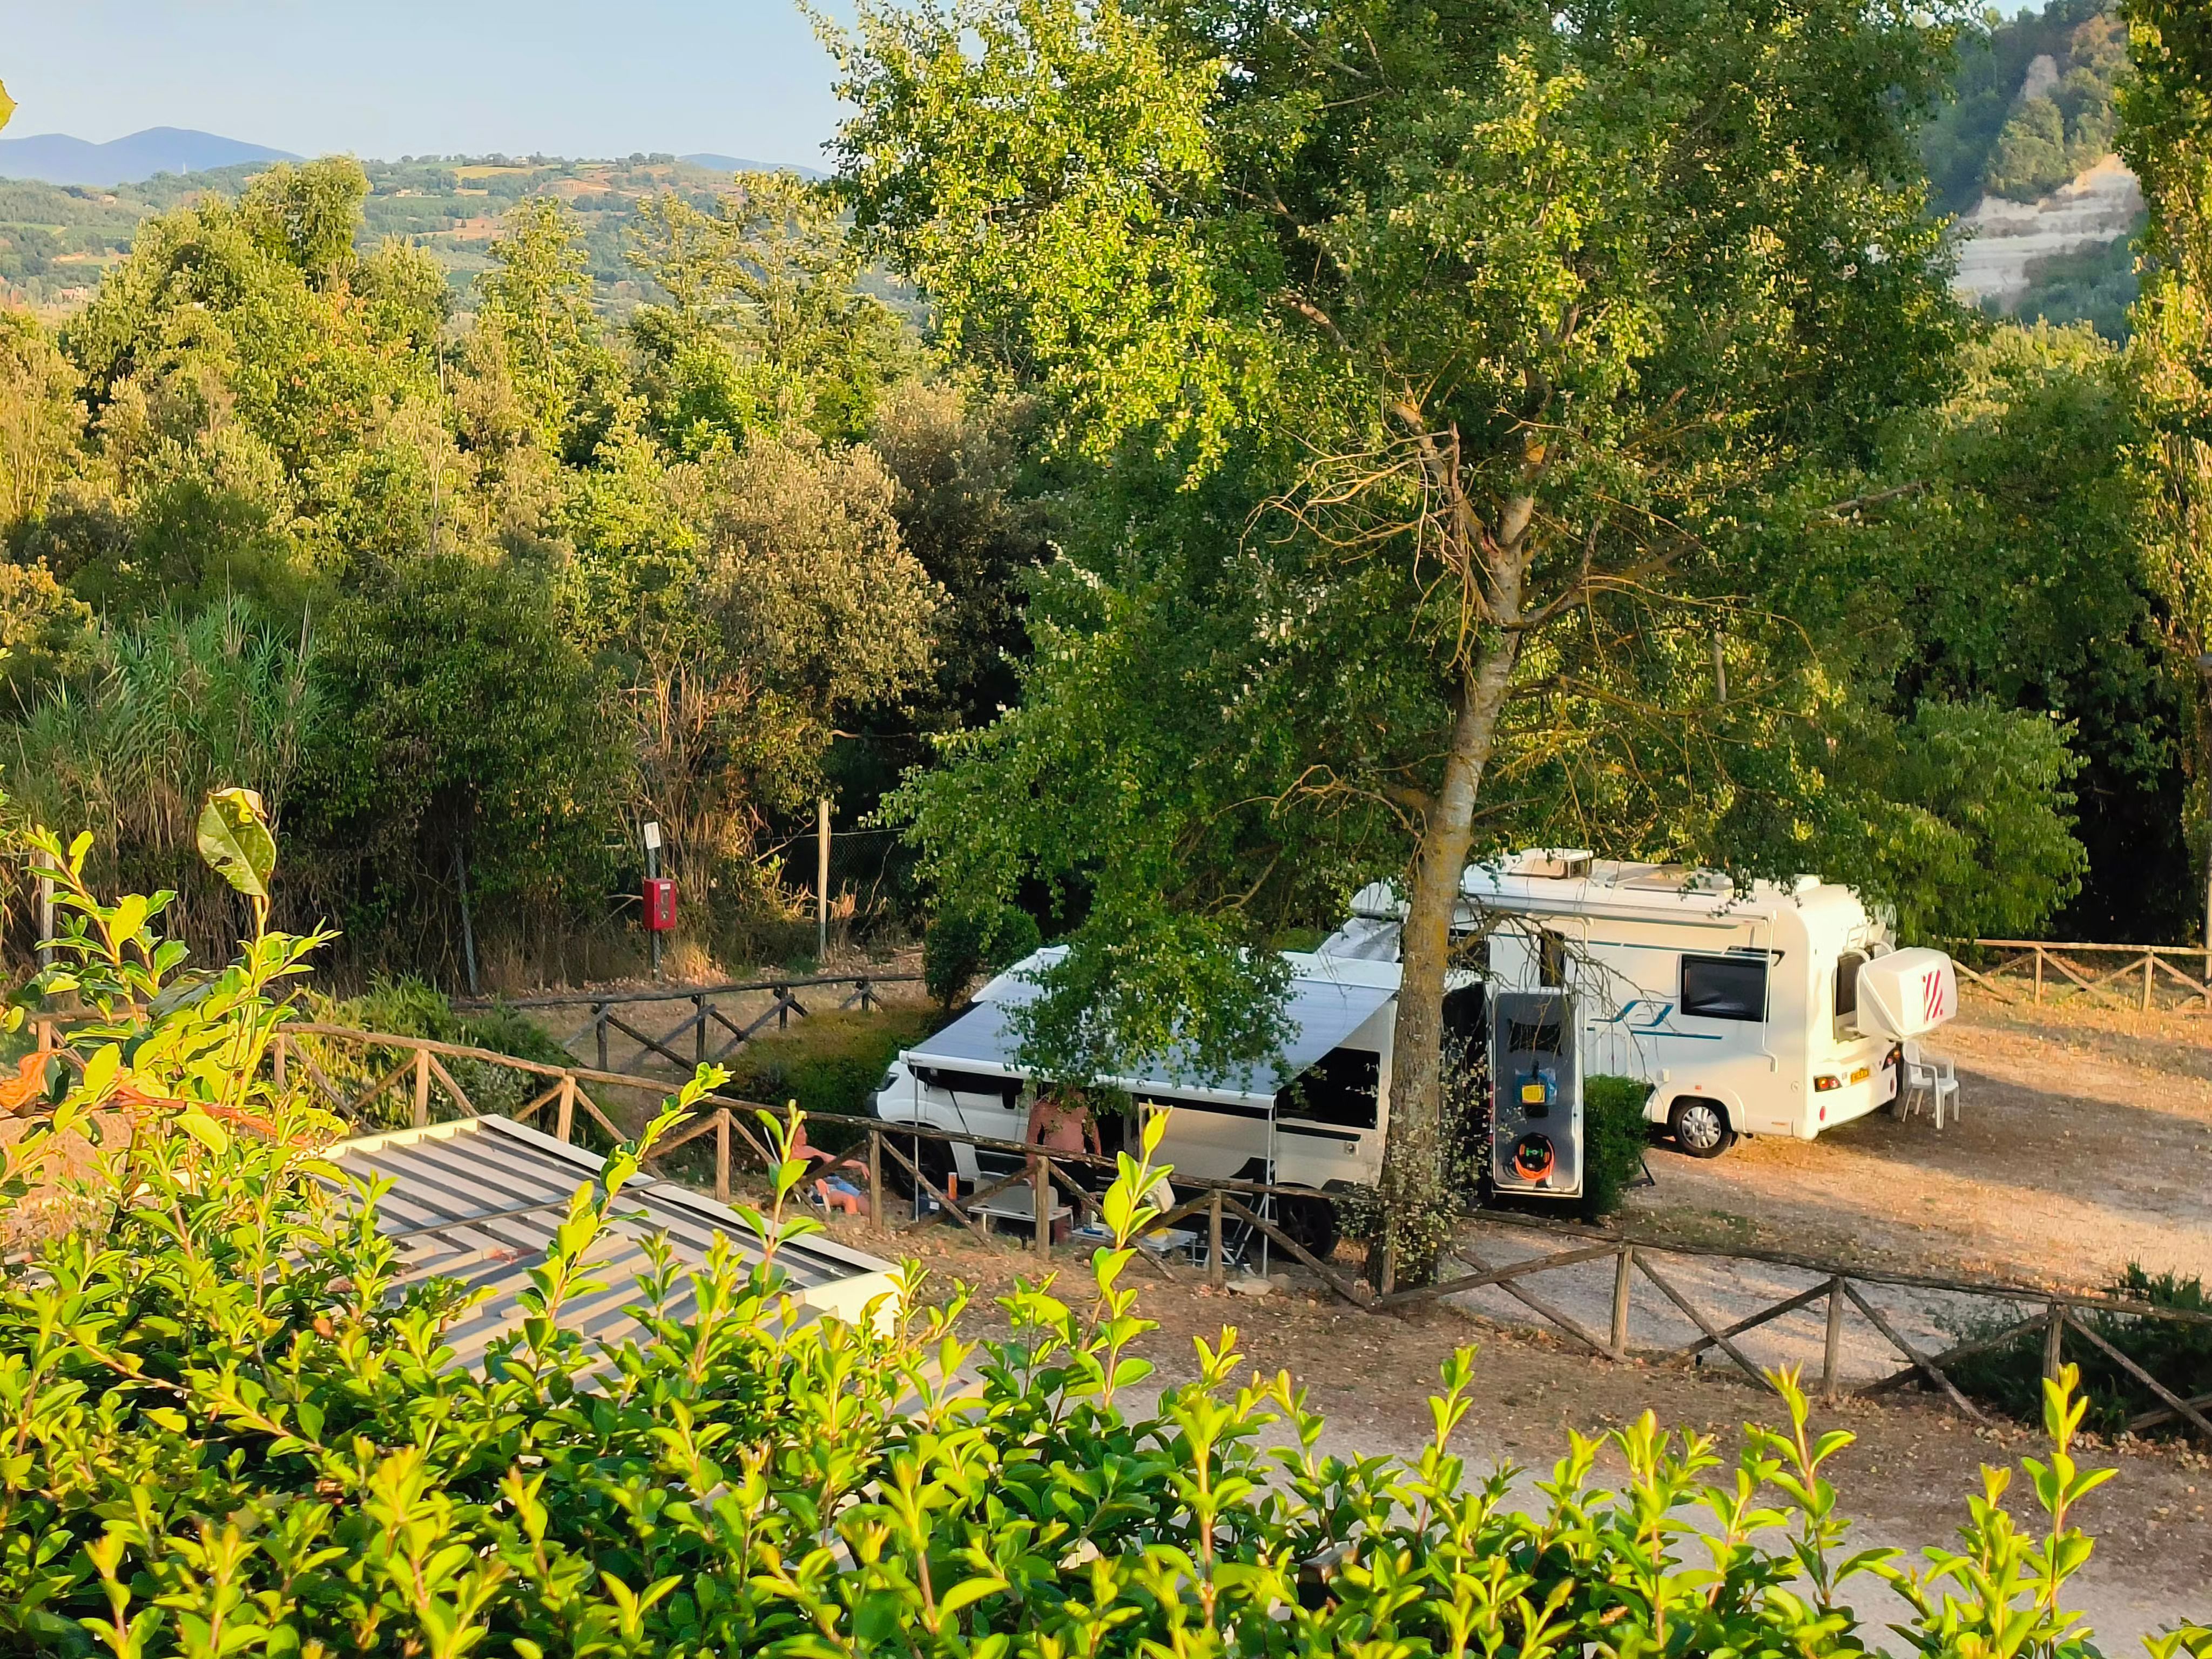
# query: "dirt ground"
{"points": [[2084, 1142]]}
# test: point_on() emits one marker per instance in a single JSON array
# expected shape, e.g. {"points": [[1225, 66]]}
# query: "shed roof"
{"points": [[478, 1200]]}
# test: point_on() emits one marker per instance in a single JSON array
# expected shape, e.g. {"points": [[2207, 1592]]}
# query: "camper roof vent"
{"points": [[1554, 863], [1678, 879]]}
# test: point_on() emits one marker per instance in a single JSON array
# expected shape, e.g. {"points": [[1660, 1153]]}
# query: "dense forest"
{"points": [[466, 596], [665, 499]]}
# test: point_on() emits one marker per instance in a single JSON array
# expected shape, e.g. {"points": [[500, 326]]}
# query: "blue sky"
{"points": [[385, 78]]}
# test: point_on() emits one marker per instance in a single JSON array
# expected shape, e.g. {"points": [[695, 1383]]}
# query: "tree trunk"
{"points": [[1414, 1198]]}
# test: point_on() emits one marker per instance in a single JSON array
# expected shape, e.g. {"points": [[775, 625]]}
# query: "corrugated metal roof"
{"points": [[1330, 998], [478, 1200]]}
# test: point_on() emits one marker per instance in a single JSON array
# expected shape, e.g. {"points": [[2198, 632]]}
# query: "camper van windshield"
{"points": [[969, 1083], [1724, 988]]}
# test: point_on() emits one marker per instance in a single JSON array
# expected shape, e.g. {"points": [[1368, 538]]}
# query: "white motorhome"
{"points": [[1323, 1128], [1772, 1010]]}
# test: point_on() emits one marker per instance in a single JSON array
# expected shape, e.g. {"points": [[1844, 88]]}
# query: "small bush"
{"points": [[409, 1007], [1614, 1136], [962, 943], [829, 1062], [2180, 1355]]}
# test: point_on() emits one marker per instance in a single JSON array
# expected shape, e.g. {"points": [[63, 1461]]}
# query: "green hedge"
{"points": [[831, 1062], [1614, 1137], [2180, 1355]]}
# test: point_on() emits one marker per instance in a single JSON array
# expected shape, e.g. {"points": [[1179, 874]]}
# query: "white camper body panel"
{"points": [[1246, 1129], [1746, 998]]}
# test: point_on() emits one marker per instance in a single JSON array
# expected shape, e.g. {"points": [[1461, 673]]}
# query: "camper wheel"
{"points": [[1700, 1126], [1311, 1221], [932, 1158]]}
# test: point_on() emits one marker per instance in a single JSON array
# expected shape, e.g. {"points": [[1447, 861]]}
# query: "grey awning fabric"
{"points": [[1329, 1001], [478, 1200], [1364, 938]]}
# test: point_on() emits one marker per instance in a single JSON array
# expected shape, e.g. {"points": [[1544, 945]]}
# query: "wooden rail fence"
{"points": [[1842, 1289], [712, 1033], [2131, 977]]}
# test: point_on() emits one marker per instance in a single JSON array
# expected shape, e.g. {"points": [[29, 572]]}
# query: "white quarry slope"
{"points": [[2000, 238]]}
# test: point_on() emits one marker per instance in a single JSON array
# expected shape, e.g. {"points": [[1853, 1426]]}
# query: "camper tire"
{"points": [[1311, 1222], [1699, 1125], [932, 1158]]}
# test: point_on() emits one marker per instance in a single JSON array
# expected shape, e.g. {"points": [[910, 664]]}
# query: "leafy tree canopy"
{"points": [[1436, 363]]}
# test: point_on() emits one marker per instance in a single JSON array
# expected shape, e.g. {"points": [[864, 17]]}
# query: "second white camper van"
{"points": [[1314, 1117], [1778, 1009]]}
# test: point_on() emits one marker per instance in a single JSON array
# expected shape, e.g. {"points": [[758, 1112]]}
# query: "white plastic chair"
{"points": [[1937, 1079]]}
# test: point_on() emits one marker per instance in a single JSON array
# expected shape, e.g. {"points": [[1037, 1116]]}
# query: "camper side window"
{"points": [[1724, 988], [1847, 988], [1554, 964], [971, 1082], [1339, 1088]]}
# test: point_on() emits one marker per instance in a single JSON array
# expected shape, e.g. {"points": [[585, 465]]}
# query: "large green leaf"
{"points": [[234, 839]]}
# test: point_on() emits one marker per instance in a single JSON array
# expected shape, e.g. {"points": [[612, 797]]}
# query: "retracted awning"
{"points": [[1329, 1000]]}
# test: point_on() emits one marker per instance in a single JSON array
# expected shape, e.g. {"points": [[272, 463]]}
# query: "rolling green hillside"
{"points": [[55, 240]]}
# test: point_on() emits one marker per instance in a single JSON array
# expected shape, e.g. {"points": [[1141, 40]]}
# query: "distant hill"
{"points": [[56, 240], [54, 158], [734, 164], [2023, 157]]}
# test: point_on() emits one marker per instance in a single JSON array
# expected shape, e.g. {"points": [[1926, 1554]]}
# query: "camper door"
{"points": [[1329, 1120]]}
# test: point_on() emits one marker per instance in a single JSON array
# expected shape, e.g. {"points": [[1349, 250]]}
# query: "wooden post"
{"points": [[1623, 1265], [421, 1087], [566, 1123], [875, 1211], [1831, 1349], [46, 917], [722, 1154], [2054, 1341], [1040, 1182], [2039, 976], [599, 1024], [1217, 1271], [822, 887], [699, 1004], [2149, 957], [279, 1049]]}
